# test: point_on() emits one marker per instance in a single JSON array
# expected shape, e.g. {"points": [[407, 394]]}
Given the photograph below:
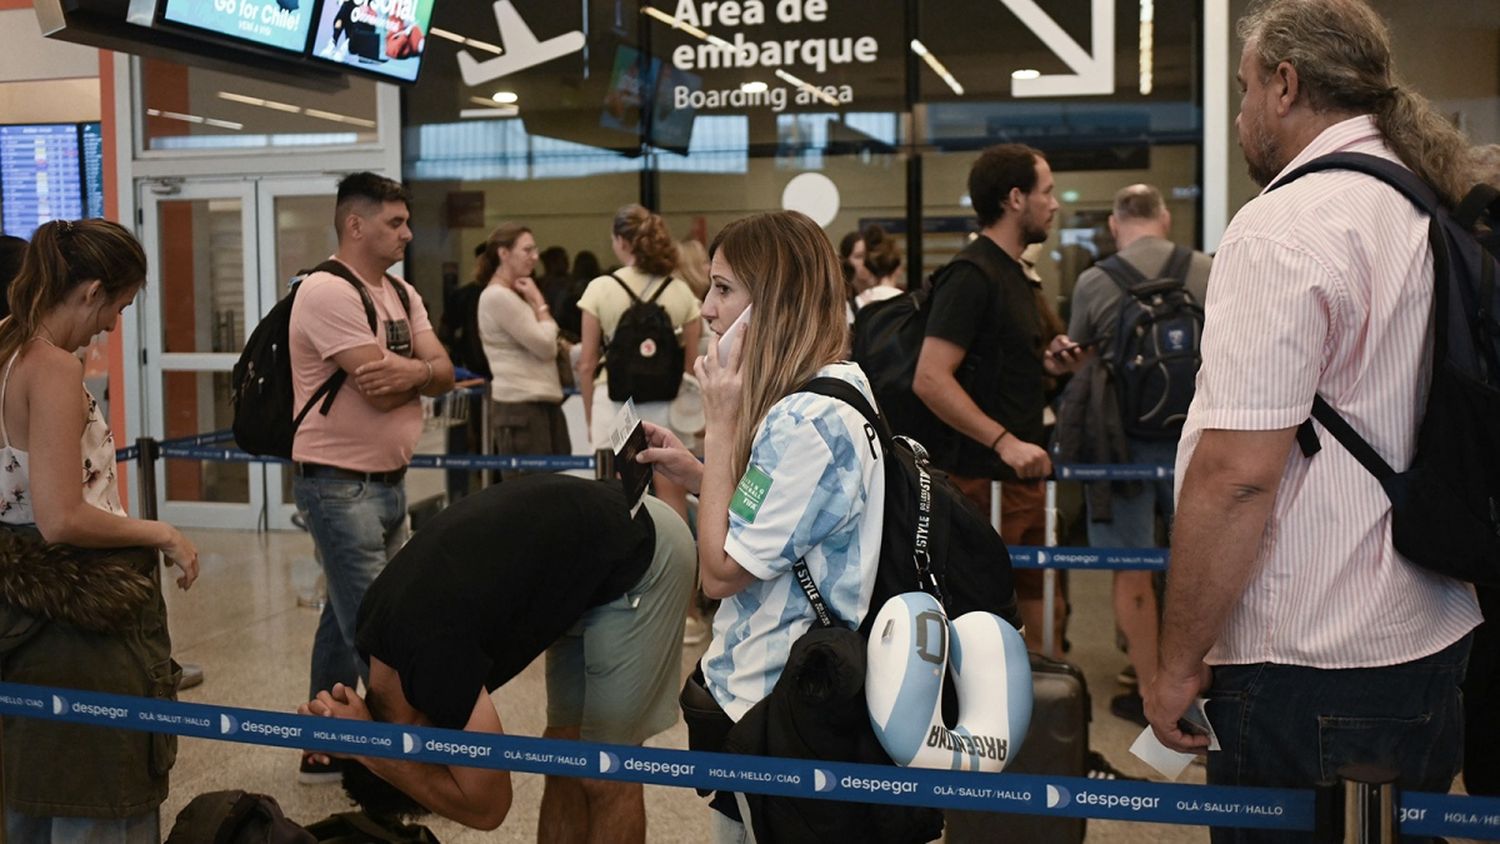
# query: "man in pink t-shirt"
{"points": [[350, 461]]}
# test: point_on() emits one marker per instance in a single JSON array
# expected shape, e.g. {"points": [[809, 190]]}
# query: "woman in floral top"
{"points": [[58, 488]]}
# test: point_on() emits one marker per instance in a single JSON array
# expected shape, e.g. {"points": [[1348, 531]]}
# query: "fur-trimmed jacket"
{"points": [[92, 620]]}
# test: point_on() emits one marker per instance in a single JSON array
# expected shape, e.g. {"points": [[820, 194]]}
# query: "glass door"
{"points": [[203, 251], [221, 254]]}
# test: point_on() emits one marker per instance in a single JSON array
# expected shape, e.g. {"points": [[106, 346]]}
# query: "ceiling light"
{"points": [[1026, 73], [466, 41], [755, 87], [489, 112], [505, 97], [812, 90], [937, 67]]}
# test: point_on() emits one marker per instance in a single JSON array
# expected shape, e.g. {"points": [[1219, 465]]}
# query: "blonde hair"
{"points": [[799, 324], [1341, 50], [692, 263]]}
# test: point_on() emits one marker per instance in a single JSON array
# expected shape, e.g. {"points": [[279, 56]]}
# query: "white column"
{"points": [[1219, 150]]}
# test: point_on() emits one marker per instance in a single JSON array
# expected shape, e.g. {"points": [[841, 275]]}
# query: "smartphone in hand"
{"points": [[735, 329], [1084, 345]]}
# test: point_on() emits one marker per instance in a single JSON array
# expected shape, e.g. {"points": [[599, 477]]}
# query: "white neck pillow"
{"points": [[909, 652]]}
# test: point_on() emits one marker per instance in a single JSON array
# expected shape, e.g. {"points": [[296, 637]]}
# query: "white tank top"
{"points": [[98, 446]]}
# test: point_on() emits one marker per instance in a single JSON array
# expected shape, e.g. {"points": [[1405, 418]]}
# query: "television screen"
{"points": [[282, 24], [41, 177], [381, 37], [93, 169]]}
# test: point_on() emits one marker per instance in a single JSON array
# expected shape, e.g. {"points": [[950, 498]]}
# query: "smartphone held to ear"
{"points": [[735, 330]]}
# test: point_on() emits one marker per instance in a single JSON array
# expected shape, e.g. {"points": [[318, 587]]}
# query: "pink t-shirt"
{"points": [[328, 317]]}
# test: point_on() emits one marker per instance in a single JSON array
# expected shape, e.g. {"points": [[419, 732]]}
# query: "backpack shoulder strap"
{"points": [[339, 269], [1121, 272], [1403, 180], [400, 288], [660, 289], [1358, 446], [838, 388], [634, 299], [1178, 264]]}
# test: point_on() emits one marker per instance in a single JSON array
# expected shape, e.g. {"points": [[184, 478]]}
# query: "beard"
{"points": [[1262, 153], [1031, 230]]}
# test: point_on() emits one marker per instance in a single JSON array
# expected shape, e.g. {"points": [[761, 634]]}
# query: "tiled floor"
{"points": [[241, 622]]}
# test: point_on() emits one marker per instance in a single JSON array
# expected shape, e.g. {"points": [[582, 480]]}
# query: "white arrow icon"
{"points": [[522, 49], [1092, 74]]}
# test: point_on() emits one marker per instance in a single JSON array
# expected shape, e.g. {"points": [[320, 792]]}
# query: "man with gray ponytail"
{"points": [[1316, 643]]}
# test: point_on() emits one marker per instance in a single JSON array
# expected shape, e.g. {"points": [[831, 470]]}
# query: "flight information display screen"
{"points": [[281, 24], [41, 176], [93, 170]]}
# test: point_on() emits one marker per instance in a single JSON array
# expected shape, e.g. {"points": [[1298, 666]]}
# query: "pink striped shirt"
{"points": [[1325, 286]]}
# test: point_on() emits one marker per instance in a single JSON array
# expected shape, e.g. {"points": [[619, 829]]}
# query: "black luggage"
{"points": [[1057, 743]]}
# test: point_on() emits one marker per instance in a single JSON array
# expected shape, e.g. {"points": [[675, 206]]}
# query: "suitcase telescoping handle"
{"points": [[1049, 575]]}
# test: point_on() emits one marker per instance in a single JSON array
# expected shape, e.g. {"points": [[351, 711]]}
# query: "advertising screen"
{"points": [[281, 24], [382, 37], [41, 176]]}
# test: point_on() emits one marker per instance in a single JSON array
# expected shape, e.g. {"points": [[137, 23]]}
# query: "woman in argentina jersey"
{"points": [[785, 475]]}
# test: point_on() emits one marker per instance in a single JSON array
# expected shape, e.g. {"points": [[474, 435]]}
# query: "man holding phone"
{"points": [[986, 354], [1126, 516]]}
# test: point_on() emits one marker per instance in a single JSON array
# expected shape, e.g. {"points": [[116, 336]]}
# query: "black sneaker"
{"points": [[1098, 768], [313, 772], [1129, 706]]}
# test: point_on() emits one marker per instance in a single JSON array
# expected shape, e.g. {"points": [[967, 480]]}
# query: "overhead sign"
{"points": [[522, 48], [1093, 74], [282, 24]]}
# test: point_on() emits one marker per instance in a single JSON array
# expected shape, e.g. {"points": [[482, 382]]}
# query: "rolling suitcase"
{"points": [[1057, 742]]}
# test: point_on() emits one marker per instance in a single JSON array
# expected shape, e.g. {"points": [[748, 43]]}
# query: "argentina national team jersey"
{"points": [[814, 488]]}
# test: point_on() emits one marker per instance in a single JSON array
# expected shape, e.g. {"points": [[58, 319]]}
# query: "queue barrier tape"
{"points": [[1020, 793], [538, 462], [1109, 472], [127, 454], [1114, 559], [1124, 800], [210, 438]]}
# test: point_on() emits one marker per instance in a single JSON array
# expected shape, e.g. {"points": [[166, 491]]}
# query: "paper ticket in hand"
{"points": [[1166, 761], [627, 438]]}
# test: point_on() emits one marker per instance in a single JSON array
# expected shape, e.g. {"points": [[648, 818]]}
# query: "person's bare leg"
{"points": [[617, 811], [564, 816], [1135, 612]]}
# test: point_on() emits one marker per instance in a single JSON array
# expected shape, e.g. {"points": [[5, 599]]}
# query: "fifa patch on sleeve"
{"points": [[750, 494]]}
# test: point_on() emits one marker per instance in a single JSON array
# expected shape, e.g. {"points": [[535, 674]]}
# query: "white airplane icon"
{"points": [[522, 49]]}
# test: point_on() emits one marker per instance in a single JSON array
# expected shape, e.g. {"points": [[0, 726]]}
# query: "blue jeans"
{"points": [[1134, 524], [356, 527], [144, 828], [1288, 726]]}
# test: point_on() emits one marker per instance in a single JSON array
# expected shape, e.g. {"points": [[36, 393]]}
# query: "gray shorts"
{"points": [[616, 674]]}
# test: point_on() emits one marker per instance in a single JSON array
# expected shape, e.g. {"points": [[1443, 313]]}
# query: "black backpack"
{"points": [[644, 357], [1157, 346], [235, 817], [1445, 507], [459, 330], [933, 539], [261, 385]]}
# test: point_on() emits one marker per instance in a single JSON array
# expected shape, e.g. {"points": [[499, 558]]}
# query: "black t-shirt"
{"points": [[495, 579], [983, 302]]}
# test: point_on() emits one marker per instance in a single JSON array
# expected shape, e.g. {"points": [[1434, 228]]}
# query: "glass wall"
{"points": [[861, 110]]}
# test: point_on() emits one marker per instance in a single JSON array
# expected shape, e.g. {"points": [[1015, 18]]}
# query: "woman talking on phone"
{"points": [[786, 475]]}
